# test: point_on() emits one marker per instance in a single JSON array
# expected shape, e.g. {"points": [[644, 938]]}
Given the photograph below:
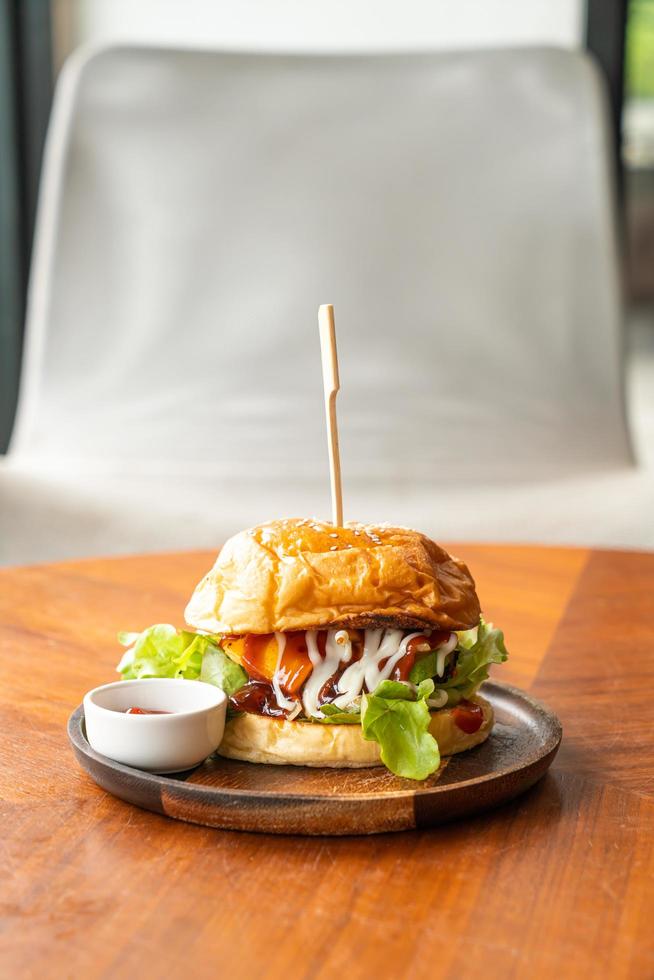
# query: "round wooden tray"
{"points": [[297, 800]]}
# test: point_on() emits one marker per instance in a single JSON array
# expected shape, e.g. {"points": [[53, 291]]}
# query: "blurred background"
{"points": [[471, 183]]}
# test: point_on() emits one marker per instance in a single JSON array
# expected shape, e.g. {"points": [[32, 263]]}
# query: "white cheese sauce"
{"points": [[439, 699], [282, 700], [379, 647], [443, 652], [338, 650]]}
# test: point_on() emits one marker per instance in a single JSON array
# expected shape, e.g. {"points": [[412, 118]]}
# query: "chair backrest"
{"points": [[197, 207]]}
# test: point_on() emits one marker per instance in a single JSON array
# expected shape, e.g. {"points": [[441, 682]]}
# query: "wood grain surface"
{"points": [[275, 799], [558, 883]]}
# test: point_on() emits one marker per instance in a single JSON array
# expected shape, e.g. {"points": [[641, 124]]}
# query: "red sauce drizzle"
{"points": [[146, 711], [403, 667], [468, 716]]}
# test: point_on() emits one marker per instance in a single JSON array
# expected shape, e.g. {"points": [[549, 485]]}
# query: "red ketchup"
{"points": [[403, 667], [419, 644], [146, 711], [468, 716]]}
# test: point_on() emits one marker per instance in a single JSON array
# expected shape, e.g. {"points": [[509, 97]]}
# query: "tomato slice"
{"points": [[468, 716]]}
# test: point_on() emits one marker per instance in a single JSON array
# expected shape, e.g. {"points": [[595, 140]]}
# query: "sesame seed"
{"points": [[333, 535], [334, 547]]}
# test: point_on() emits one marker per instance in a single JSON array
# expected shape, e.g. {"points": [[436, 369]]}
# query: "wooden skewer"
{"points": [[331, 385]]}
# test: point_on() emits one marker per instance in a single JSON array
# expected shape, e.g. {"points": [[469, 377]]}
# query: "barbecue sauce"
{"points": [[259, 699]]}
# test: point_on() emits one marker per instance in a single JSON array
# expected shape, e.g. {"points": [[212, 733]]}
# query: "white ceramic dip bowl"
{"points": [[160, 742]]}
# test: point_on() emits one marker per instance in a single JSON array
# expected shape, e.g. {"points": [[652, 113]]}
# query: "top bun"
{"points": [[304, 574]]}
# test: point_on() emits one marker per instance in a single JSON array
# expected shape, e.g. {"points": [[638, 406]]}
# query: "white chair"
{"points": [[197, 207]]}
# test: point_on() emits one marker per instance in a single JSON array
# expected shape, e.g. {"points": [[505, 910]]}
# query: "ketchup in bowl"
{"points": [[146, 711], [188, 729]]}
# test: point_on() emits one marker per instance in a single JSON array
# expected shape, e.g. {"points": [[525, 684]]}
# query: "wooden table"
{"points": [[558, 883]]}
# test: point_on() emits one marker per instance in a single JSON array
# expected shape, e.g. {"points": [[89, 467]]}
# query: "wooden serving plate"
{"points": [[296, 800]]}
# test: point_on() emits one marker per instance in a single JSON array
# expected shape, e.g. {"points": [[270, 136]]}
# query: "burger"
{"points": [[343, 647]]}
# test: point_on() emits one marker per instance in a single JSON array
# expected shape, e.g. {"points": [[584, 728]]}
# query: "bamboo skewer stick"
{"points": [[331, 385]]}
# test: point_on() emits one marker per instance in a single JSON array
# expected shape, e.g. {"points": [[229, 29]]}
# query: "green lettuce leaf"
{"points": [[398, 690], [424, 668], [474, 661], [219, 670], [395, 690], [478, 649], [468, 638], [163, 651], [338, 716], [425, 688], [397, 718], [127, 639]]}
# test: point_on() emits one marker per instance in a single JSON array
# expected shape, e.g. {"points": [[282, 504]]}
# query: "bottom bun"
{"points": [[254, 738]]}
